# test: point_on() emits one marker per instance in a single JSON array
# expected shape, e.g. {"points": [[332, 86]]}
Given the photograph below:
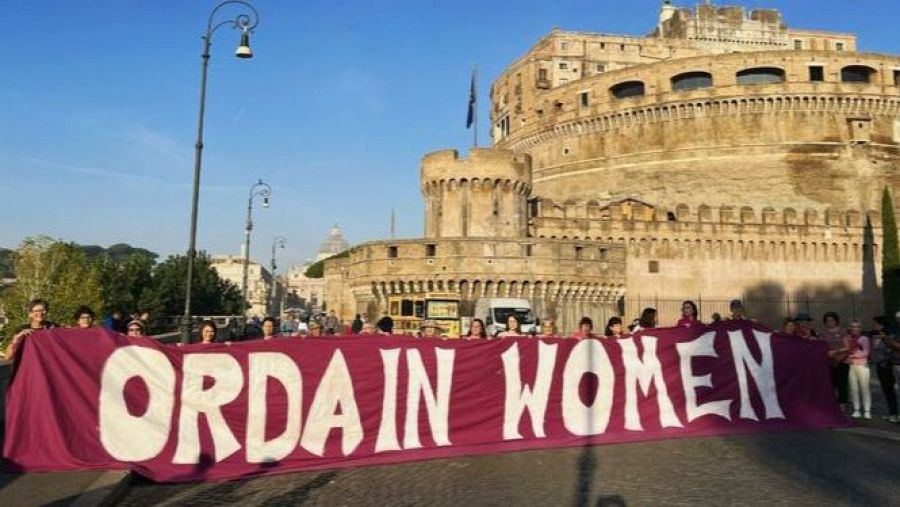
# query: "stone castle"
{"points": [[723, 155]]}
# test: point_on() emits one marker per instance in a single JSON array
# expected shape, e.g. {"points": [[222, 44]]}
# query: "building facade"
{"points": [[724, 155], [259, 281]]}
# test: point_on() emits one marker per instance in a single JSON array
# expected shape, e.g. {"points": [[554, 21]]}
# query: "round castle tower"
{"points": [[485, 195]]}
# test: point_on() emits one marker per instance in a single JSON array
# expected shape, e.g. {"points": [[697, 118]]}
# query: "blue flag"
{"points": [[470, 118]]}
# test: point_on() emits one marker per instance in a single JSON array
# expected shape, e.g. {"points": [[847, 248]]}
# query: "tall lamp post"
{"points": [[263, 190], [278, 242], [244, 22]]}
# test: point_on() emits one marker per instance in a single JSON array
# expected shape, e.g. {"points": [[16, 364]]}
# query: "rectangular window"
{"points": [[528, 250], [839, 46], [798, 44], [542, 74], [653, 266], [564, 45], [563, 65], [621, 47], [602, 45], [392, 252], [585, 99], [578, 250], [603, 254], [816, 73], [430, 250], [897, 78], [601, 67]]}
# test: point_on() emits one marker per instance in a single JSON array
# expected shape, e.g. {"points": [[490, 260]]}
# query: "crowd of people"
{"points": [[852, 351]]}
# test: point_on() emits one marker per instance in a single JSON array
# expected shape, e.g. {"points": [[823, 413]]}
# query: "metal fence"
{"points": [[770, 312]]}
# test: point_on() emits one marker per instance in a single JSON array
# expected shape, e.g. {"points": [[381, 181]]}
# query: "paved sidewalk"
{"points": [[89, 488], [852, 467]]}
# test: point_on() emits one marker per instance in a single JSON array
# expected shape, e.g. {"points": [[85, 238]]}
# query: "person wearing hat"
{"points": [[803, 327], [315, 329], [430, 329], [135, 327]]}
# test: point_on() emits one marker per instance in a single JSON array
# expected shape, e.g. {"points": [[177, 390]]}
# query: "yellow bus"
{"points": [[409, 310], [443, 308]]}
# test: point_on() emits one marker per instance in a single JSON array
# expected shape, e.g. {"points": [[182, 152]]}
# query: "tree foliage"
{"points": [[890, 257], [210, 295], [56, 271], [120, 277]]}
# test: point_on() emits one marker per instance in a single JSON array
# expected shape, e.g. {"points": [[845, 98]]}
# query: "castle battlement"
{"points": [[482, 164]]}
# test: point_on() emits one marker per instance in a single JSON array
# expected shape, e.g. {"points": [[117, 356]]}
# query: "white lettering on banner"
{"points": [[228, 380], [280, 367], [687, 351], [335, 391], [762, 372], [643, 372], [437, 406], [124, 436], [387, 428], [588, 356], [521, 396]]}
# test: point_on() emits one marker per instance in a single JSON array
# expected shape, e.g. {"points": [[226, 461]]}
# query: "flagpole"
{"points": [[475, 105]]}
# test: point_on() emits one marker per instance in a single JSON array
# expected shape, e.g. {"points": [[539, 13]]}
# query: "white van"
{"points": [[496, 311]]}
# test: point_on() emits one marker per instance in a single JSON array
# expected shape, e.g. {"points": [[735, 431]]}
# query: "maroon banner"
{"points": [[85, 399]]}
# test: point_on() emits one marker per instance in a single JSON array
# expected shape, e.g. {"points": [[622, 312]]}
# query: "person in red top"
{"points": [[585, 329], [689, 315]]}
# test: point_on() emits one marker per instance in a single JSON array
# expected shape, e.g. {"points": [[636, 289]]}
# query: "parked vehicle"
{"points": [[496, 311]]}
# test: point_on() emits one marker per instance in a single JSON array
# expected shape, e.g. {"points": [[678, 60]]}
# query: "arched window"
{"points": [[691, 81], [857, 74], [760, 75], [627, 89]]}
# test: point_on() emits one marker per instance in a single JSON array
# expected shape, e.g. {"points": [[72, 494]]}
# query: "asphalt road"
{"points": [[842, 467]]}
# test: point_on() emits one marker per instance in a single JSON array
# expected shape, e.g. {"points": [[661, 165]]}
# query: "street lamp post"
{"points": [[279, 241], [263, 190], [245, 23]]}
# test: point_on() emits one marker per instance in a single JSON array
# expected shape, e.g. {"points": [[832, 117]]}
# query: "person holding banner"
{"points": [[548, 328], [268, 328], [135, 328], [430, 329], [84, 317], [37, 319], [614, 328], [690, 317], [208, 331], [585, 329], [477, 330], [858, 347], [647, 320], [512, 327]]}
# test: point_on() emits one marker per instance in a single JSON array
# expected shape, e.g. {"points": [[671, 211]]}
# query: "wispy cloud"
{"points": [[159, 143], [237, 117], [91, 171]]}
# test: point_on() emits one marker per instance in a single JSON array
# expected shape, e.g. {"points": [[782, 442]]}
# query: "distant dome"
{"points": [[334, 244]]}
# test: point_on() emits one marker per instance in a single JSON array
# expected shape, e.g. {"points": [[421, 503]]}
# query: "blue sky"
{"points": [[98, 109]]}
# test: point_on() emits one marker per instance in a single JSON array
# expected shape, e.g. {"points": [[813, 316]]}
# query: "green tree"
{"points": [[125, 282], [210, 295], [890, 258], [56, 271]]}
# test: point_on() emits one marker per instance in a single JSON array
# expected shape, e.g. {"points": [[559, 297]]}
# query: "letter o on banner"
{"points": [[588, 356], [136, 438]]}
